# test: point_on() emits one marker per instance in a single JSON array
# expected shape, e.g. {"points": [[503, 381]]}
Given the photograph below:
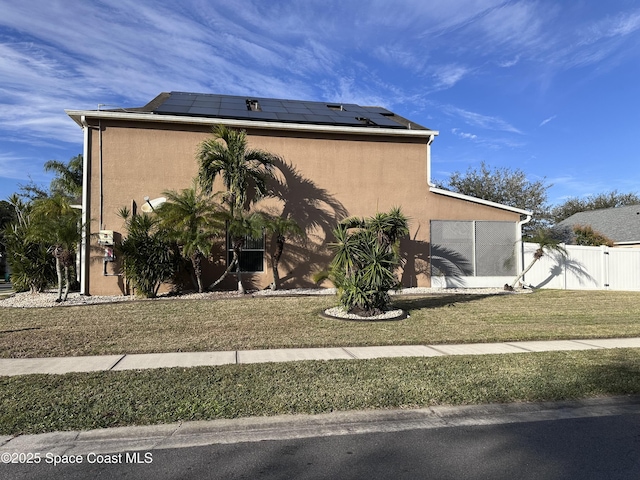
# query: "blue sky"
{"points": [[551, 87]]}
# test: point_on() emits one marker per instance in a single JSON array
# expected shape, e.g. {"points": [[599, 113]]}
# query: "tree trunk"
{"points": [[239, 273], [197, 268], [524, 272], [275, 260], [59, 272], [67, 283], [226, 272]]}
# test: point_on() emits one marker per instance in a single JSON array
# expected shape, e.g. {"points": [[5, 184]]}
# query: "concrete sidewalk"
{"points": [[62, 365]]}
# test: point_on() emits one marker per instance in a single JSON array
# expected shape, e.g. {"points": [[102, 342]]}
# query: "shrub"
{"points": [[365, 261], [149, 258]]}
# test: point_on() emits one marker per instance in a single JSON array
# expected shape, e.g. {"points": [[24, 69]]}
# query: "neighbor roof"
{"points": [[275, 110], [620, 224]]}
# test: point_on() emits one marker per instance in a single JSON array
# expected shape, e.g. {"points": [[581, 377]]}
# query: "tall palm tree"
{"points": [[547, 243], [244, 172], [193, 222], [281, 228], [56, 224], [227, 154]]}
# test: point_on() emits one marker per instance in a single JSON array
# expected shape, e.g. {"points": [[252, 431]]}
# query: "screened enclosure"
{"points": [[473, 248]]}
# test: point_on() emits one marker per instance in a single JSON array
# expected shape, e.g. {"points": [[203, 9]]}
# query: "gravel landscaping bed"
{"points": [[48, 299]]}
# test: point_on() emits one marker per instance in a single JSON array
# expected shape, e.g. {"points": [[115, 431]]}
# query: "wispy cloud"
{"points": [[447, 76], [483, 121], [547, 120], [465, 135]]}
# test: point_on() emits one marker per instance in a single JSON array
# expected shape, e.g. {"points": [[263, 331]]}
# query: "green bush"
{"points": [[149, 258], [365, 261]]}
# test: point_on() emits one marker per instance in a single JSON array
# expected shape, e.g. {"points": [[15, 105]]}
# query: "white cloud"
{"points": [[461, 134], [479, 120], [547, 120], [447, 76]]}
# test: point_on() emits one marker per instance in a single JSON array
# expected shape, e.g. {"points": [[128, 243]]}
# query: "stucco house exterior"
{"points": [[339, 160]]}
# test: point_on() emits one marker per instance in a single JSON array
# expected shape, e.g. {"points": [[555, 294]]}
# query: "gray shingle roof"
{"points": [[276, 110], [620, 224]]}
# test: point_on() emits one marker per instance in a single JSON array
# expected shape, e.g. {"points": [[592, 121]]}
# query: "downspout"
{"points": [[100, 162], [429, 142], [519, 241], [85, 208]]}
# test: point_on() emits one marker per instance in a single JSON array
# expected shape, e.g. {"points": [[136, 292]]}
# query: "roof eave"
{"points": [[480, 201], [77, 115]]}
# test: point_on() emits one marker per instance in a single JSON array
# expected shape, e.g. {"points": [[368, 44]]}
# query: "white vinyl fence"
{"points": [[584, 268]]}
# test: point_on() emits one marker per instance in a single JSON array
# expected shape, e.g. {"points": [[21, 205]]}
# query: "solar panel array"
{"points": [[274, 110]]}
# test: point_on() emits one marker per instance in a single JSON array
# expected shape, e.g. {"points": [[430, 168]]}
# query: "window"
{"points": [[473, 248], [251, 256]]}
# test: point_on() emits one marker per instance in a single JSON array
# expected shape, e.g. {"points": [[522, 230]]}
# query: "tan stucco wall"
{"points": [[326, 177]]}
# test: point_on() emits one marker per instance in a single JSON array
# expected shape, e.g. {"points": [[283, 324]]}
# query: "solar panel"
{"points": [[270, 109]]}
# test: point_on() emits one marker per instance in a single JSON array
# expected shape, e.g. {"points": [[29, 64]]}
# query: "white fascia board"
{"points": [[76, 115], [468, 198]]}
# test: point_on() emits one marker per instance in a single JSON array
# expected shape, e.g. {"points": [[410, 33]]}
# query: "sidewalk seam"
{"points": [[117, 362]]}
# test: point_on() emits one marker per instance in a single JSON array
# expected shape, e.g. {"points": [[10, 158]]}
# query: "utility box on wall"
{"points": [[105, 238]]}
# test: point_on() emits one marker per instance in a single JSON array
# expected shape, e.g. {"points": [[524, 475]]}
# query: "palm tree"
{"points": [[547, 243], [281, 228], [366, 255], [227, 154], [243, 169], [56, 224], [68, 180], [193, 222]]}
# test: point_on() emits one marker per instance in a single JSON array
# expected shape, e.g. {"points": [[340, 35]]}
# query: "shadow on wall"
{"points": [[415, 255], [450, 264], [317, 212], [563, 265]]}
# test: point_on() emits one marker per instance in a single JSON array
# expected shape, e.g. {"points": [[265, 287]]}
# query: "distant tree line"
{"points": [[512, 187]]}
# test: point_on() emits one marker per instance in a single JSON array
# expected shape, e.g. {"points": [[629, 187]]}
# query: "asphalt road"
{"points": [[604, 447]]}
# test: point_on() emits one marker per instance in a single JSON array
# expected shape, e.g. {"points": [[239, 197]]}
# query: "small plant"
{"points": [[366, 258]]}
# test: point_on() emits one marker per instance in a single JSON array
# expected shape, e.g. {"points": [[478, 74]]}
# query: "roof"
{"points": [[260, 112], [277, 110], [620, 224]]}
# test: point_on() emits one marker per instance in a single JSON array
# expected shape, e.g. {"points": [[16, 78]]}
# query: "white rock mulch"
{"points": [[48, 299]]}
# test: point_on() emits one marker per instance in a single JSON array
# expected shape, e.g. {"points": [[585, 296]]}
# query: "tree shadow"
{"points": [[434, 301], [316, 211], [451, 265], [562, 264]]}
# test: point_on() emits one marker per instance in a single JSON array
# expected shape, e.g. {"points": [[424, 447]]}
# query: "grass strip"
{"points": [[258, 323], [44, 403]]}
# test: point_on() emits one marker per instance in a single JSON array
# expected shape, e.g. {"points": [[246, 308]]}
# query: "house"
{"points": [[620, 224], [339, 160]]}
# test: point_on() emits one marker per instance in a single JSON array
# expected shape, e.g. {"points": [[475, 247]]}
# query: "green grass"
{"points": [[42, 403], [255, 323]]}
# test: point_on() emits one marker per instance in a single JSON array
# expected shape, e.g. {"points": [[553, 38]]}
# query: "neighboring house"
{"points": [[620, 224], [339, 160]]}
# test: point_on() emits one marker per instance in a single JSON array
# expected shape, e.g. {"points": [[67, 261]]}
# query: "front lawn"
{"points": [[42, 403], [276, 322]]}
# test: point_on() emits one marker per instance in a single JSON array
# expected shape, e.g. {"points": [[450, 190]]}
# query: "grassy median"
{"points": [[255, 323], [42, 403]]}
